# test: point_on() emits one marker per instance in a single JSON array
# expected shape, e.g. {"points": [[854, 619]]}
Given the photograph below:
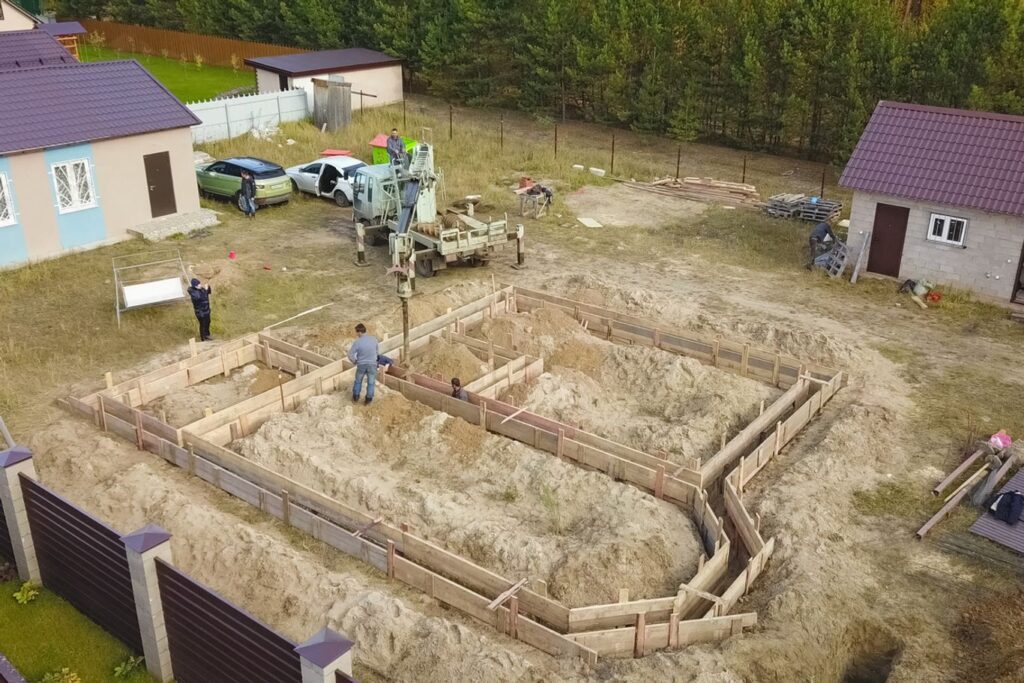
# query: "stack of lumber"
{"points": [[702, 190]]}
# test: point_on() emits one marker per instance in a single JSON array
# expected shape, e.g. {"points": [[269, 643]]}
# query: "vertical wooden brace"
{"points": [[640, 637], [659, 482], [138, 430], [391, 559]]}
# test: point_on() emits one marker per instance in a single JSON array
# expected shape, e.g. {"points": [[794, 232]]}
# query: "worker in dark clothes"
{"points": [[249, 194], [396, 148], [200, 295], [821, 234], [457, 390]]}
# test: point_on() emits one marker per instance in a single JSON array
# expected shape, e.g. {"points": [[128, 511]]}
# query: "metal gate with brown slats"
{"points": [[212, 640], [82, 560]]}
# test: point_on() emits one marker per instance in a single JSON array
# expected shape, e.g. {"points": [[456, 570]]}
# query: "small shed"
{"points": [[939, 195], [379, 148], [376, 78], [66, 33]]}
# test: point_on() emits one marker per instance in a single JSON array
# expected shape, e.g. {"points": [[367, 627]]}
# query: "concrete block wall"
{"points": [[986, 265]]}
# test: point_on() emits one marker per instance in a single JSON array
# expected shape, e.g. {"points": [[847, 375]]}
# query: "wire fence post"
{"points": [[679, 157], [744, 169], [822, 193], [405, 123], [612, 169], [556, 140], [451, 111], [501, 133]]}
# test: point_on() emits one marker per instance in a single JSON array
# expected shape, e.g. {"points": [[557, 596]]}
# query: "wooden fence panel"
{"points": [[154, 41], [84, 561], [212, 640]]}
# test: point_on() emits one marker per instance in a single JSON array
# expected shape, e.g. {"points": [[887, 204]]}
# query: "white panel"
{"points": [[156, 292]]}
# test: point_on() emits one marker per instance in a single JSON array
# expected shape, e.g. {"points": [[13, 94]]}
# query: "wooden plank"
{"points": [[505, 595], [741, 519], [599, 617], [295, 351], [971, 459]]}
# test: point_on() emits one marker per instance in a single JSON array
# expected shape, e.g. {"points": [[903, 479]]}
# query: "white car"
{"points": [[326, 177]]}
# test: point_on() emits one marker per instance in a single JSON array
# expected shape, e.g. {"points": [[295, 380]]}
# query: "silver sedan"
{"points": [[326, 177]]}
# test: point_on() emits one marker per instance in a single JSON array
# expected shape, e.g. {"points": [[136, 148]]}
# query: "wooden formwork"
{"points": [[698, 612]]}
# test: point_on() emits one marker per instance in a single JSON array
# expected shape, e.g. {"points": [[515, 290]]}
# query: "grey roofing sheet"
{"points": [[947, 156], [50, 106], [19, 49], [1002, 533], [324, 61]]}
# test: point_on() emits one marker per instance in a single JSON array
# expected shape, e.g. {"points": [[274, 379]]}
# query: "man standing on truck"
{"points": [[364, 353], [396, 148]]}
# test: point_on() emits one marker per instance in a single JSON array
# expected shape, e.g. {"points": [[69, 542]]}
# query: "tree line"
{"points": [[784, 75]]}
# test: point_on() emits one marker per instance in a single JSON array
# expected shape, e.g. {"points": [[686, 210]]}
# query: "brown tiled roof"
{"points": [[324, 61], [946, 156]]}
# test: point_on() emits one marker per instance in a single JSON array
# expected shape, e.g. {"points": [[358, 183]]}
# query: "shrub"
{"points": [[128, 667], [27, 593], [64, 675]]}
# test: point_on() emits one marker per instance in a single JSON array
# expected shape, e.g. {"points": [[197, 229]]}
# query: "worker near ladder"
{"points": [[820, 235], [200, 295], [364, 353]]}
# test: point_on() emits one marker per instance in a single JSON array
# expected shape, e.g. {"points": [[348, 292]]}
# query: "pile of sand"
{"points": [[448, 360], [507, 507], [651, 399], [289, 581]]}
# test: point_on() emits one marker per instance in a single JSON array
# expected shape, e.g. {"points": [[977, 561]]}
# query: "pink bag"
{"points": [[1000, 440]]}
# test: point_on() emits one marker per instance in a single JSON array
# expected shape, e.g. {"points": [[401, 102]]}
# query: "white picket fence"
{"points": [[234, 116]]}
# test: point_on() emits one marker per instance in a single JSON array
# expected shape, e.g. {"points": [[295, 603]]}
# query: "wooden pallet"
{"points": [[702, 190]]}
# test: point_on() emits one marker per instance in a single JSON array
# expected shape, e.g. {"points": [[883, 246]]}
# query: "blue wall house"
{"points": [[87, 151]]}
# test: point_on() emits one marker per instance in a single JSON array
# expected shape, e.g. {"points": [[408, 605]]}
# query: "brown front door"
{"points": [[161, 184], [887, 237]]}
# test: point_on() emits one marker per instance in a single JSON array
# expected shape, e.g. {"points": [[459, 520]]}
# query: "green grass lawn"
{"points": [[188, 82], [48, 634]]}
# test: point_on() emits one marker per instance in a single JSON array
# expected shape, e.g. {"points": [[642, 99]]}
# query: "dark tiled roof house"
{"points": [[376, 75], [939, 196], [87, 152], [19, 49]]}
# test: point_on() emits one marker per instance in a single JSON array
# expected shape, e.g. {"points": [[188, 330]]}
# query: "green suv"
{"points": [[224, 179]]}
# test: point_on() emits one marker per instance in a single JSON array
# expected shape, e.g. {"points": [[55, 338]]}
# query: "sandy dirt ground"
{"points": [[187, 405], [846, 597], [619, 206], [444, 360], [651, 399], [507, 507]]}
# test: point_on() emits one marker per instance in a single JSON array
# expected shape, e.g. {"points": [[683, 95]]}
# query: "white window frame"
{"points": [[8, 194], [77, 204], [944, 238]]}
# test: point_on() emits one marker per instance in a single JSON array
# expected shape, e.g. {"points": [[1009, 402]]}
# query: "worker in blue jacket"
{"points": [[364, 353], [200, 295], [820, 235]]}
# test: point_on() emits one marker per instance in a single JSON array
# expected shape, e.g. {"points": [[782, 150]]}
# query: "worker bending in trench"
{"points": [[457, 390], [364, 353]]}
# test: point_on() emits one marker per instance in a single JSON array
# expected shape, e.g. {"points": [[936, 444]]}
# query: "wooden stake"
{"points": [[103, 414], [319, 383], [207, 411], [540, 587], [483, 414], [776, 368], [639, 641], [714, 351], [286, 513], [673, 630], [745, 360], [778, 437], [266, 355], [659, 482], [761, 409], [235, 429], [138, 430], [192, 347], [391, 559], [724, 440], [223, 365], [163, 416], [513, 617], [191, 460], [284, 408], [623, 595], [243, 423], [109, 377], [560, 447]]}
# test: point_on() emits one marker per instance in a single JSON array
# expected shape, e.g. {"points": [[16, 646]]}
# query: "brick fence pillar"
{"points": [[143, 547], [324, 655], [15, 461]]}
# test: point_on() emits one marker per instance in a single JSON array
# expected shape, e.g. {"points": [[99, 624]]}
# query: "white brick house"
{"points": [[940, 192]]}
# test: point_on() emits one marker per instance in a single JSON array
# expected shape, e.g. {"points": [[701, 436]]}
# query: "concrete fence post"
{"points": [[324, 655], [143, 547], [15, 461]]}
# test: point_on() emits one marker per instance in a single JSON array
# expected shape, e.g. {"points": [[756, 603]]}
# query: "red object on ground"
{"points": [[933, 296], [232, 255], [526, 181], [336, 153], [266, 266]]}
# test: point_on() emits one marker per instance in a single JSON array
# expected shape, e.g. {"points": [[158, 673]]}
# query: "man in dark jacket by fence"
{"points": [[200, 295]]}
